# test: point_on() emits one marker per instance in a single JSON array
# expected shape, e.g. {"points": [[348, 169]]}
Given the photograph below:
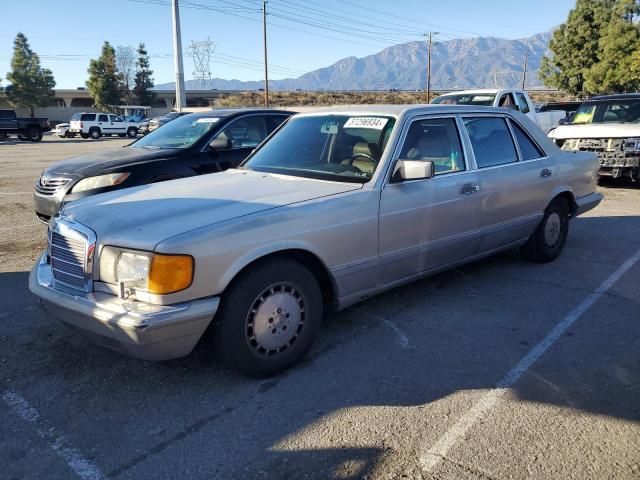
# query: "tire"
{"points": [[3, 136], [132, 132], [34, 134], [84, 135], [71, 135], [95, 133], [122, 135], [549, 239], [268, 318], [24, 138]]}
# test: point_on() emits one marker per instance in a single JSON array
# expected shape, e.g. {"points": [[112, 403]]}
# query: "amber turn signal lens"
{"points": [[169, 273]]}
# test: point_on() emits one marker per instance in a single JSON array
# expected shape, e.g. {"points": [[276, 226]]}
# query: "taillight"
{"points": [[81, 126]]}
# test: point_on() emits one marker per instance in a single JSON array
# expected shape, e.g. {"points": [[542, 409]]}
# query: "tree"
{"points": [[575, 46], [103, 83], [617, 69], [144, 78], [126, 66], [30, 84]]}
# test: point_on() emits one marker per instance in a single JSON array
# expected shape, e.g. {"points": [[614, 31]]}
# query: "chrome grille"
{"points": [[50, 185], [68, 259]]}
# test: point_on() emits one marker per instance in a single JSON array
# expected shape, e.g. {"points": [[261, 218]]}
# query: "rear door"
{"points": [[516, 178], [425, 224], [104, 124]]}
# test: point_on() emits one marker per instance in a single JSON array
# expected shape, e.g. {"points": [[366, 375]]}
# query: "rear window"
{"points": [[88, 117], [491, 141], [76, 116]]}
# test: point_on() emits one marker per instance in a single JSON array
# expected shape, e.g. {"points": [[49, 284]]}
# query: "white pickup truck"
{"points": [[609, 126], [515, 99]]}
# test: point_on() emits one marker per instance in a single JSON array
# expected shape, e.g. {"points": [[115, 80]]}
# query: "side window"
{"points": [[245, 132], [491, 141], [275, 121], [115, 118], [506, 100], [88, 117], [436, 140], [103, 118], [522, 102], [528, 149]]}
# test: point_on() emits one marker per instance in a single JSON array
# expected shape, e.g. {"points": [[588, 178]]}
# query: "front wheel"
{"points": [[269, 317], [548, 240]]}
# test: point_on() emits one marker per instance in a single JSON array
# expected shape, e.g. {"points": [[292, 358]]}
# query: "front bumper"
{"points": [[588, 202], [139, 329]]}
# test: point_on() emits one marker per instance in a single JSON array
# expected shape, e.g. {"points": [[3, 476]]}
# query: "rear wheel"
{"points": [[35, 134], [269, 317], [84, 135], [548, 240], [95, 133], [122, 135], [132, 132]]}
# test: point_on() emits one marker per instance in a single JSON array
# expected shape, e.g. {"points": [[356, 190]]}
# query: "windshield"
{"points": [[608, 111], [328, 147], [485, 99], [180, 133]]}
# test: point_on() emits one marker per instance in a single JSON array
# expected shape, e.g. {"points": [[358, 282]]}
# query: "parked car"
{"points": [[515, 99], [25, 128], [199, 143], [569, 108], [96, 125], [336, 206], [609, 126], [62, 131], [159, 121]]}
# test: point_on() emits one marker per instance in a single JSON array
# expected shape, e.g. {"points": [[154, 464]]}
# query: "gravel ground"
{"points": [[414, 383]]}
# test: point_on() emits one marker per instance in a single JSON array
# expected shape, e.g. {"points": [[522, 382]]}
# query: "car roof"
{"points": [[227, 112], [620, 96], [397, 110], [479, 91]]}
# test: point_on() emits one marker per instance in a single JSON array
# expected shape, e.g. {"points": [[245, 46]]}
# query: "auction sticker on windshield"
{"points": [[207, 120], [375, 123]]}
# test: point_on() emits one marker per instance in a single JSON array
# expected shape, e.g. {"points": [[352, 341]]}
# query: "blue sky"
{"points": [[304, 35]]}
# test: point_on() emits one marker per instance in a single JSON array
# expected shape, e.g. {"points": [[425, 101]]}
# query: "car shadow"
{"points": [[458, 342]]}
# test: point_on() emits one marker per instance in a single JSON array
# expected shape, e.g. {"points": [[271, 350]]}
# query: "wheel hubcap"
{"points": [[552, 230], [276, 318]]}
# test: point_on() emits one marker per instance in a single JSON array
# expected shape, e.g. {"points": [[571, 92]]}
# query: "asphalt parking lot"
{"points": [[499, 369]]}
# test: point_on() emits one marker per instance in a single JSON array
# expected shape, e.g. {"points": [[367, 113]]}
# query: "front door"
{"points": [[430, 223], [116, 125], [244, 135]]}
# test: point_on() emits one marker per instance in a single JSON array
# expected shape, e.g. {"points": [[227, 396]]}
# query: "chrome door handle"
{"points": [[546, 172], [469, 188]]}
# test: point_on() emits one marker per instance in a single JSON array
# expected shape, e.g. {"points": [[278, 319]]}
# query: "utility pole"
{"points": [[524, 74], [181, 98], [266, 70], [429, 36]]}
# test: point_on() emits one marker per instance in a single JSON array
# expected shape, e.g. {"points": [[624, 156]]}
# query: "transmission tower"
{"points": [[201, 54]]}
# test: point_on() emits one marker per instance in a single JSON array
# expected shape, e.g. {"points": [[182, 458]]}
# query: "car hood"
{"points": [[141, 217], [596, 130], [94, 163]]}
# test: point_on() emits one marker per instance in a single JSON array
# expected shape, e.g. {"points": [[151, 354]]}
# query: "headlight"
{"points": [[155, 273], [100, 181], [631, 144]]}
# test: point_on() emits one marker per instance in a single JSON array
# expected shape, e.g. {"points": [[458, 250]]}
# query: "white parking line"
{"points": [[72, 457], [402, 338], [438, 451]]}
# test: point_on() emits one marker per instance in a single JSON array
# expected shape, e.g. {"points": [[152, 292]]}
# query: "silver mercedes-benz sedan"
{"points": [[334, 207]]}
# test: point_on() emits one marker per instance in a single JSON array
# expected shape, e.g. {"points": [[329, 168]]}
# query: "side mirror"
{"points": [[406, 170], [219, 144]]}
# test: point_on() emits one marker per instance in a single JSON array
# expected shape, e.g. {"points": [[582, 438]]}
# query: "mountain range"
{"points": [[458, 63]]}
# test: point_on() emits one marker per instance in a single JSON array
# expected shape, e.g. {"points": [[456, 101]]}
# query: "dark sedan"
{"points": [[194, 144]]}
